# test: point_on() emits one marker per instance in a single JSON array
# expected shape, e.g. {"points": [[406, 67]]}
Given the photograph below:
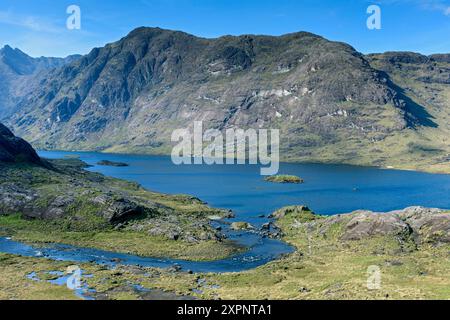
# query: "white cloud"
{"points": [[435, 5], [44, 36], [28, 22]]}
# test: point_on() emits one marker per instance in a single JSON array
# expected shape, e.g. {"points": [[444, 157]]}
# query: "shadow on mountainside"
{"points": [[417, 113]]}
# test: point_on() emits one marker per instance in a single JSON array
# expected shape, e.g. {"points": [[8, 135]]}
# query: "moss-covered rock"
{"points": [[240, 226], [300, 213], [417, 225]]}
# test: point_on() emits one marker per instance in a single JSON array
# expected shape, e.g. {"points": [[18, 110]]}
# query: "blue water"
{"points": [[328, 189], [260, 252], [62, 278]]}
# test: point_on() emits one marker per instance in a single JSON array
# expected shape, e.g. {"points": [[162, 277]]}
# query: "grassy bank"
{"points": [[15, 284], [112, 284], [136, 243], [323, 267]]}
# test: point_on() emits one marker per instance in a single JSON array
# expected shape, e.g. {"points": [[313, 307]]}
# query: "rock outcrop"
{"points": [[13, 149], [366, 224], [296, 212], [417, 224], [423, 225]]}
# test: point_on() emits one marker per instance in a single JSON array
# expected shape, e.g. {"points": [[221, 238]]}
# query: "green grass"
{"points": [[41, 232], [323, 267], [82, 223], [326, 268], [14, 284]]}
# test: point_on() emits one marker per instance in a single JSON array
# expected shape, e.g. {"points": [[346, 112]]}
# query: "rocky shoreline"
{"points": [[416, 224]]}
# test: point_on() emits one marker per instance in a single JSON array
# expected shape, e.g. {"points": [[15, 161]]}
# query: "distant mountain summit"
{"points": [[20, 63], [331, 103], [16, 72]]}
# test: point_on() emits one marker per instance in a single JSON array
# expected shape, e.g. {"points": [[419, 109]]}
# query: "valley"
{"points": [[362, 188]]}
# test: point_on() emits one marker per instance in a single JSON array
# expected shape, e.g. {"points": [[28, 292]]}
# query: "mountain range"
{"points": [[331, 103], [17, 70]]}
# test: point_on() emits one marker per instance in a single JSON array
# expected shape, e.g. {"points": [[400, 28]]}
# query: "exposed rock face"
{"points": [[325, 97], [13, 149], [441, 57], [417, 224], [75, 200], [121, 210], [419, 76], [422, 224], [19, 73], [428, 225], [22, 64], [15, 198], [369, 224], [54, 209], [424, 81]]}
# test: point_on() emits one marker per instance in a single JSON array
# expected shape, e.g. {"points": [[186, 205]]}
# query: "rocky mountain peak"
{"points": [[17, 61], [22, 64], [6, 49]]}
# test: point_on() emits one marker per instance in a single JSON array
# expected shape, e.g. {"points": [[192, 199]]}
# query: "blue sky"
{"points": [[38, 27]]}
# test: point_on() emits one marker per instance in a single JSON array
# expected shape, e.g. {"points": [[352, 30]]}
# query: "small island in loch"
{"points": [[284, 178], [112, 163]]}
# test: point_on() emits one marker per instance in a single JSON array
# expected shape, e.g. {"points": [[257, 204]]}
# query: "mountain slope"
{"points": [[330, 104], [13, 149], [18, 71], [425, 82]]}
